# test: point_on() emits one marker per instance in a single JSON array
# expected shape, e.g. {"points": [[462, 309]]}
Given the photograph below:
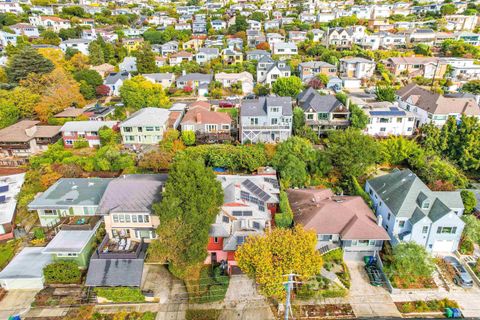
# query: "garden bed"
{"points": [[119, 294], [202, 314], [426, 306], [322, 311], [53, 296], [212, 286]]}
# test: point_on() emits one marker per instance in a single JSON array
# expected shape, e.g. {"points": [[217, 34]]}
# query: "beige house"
{"points": [[245, 78], [127, 207]]}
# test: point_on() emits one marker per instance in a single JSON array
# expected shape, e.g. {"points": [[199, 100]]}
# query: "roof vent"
{"points": [[74, 187], [91, 184]]}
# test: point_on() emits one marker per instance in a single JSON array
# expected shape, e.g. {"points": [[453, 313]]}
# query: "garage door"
{"points": [[443, 246]]}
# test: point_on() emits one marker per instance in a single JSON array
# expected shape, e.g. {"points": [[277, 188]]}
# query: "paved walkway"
{"points": [[16, 302]]}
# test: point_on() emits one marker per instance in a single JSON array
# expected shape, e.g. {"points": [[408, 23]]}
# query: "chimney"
{"points": [[379, 220], [199, 117]]}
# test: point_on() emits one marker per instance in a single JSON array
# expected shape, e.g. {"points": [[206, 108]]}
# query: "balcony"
{"points": [[119, 248], [264, 127], [80, 222]]}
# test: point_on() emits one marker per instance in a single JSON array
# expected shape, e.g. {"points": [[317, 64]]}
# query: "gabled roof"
{"points": [[195, 77], [199, 113], [322, 211], [311, 99], [259, 107], [26, 130], [113, 77]]}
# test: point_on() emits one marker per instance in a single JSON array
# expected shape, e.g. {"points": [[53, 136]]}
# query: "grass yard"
{"points": [[7, 252], [233, 112]]}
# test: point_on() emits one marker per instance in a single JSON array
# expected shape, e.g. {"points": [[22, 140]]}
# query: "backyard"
{"points": [[212, 286], [7, 252]]}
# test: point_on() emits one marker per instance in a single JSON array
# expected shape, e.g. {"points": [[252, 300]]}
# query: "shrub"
{"points": [[466, 246], [121, 294], [65, 272], [202, 314], [469, 200], [188, 137], [38, 233], [79, 144], [285, 218], [334, 255]]}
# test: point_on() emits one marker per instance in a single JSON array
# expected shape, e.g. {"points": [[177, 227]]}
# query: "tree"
{"points": [[472, 86], [268, 258], [263, 46], [469, 200], [95, 53], [385, 93], [409, 263], [190, 204], [103, 90], [138, 92], [146, 59], [472, 228], [358, 118], [22, 98], [108, 136], [298, 120], [398, 150], [257, 16], [448, 9], [261, 90], [288, 86], [50, 37], [9, 114], [188, 137], [423, 49], [25, 62], [89, 80], [351, 152], [240, 24]]}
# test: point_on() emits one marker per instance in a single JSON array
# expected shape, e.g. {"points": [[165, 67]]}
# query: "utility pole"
{"points": [[289, 284]]}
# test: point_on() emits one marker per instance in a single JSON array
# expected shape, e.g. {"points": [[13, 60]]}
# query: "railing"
{"points": [[250, 127], [118, 254]]}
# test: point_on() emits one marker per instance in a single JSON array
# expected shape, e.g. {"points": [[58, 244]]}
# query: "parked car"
{"points": [[230, 98], [461, 278], [374, 275], [226, 104]]}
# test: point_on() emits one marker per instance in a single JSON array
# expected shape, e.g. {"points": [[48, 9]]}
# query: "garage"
{"points": [[25, 271], [443, 246]]}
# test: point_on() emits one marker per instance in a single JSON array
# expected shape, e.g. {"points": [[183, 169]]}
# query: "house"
{"points": [[10, 186], [462, 69], [358, 68], [75, 44], [160, 61], [267, 119], [309, 70], [431, 107], [165, 79], [50, 22], [323, 113], [207, 125], [268, 70], [132, 44], [25, 271], [104, 69], [127, 204], [205, 55], [69, 197], [285, 48], [129, 64], [353, 226], [194, 43], [244, 78], [97, 112], [274, 37], [257, 55], [145, 126], [410, 211], [23, 139], [249, 204], [179, 57], [272, 24], [218, 25], [25, 29], [254, 25], [7, 38], [386, 119], [425, 36], [230, 56], [11, 7], [297, 36], [459, 22], [427, 67], [73, 131], [114, 81], [338, 37], [169, 47], [193, 80]]}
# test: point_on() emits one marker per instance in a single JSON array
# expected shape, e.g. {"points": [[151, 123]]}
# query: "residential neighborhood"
{"points": [[207, 159]]}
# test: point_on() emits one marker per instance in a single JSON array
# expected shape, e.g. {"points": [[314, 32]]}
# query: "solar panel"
{"points": [[272, 181], [253, 188]]}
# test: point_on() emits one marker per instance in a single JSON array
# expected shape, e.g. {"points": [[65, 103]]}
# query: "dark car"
{"points": [[462, 278], [374, 275]]}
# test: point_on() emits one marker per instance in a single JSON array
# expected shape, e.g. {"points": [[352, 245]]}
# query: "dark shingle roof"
{"points": [[310, 98], [115, 273]]}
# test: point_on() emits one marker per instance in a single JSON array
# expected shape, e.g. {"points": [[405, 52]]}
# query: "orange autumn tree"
{"points": [[57, 90]]}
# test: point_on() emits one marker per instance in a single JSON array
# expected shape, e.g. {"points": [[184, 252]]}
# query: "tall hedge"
{"points": [[64, 272]]}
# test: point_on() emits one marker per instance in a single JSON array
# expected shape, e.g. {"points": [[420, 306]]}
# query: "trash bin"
{"points": [[448, 313], [456, 313]]}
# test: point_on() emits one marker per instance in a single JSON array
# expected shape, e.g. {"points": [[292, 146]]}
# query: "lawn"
{"points": [[7, 252], [233, 112]]}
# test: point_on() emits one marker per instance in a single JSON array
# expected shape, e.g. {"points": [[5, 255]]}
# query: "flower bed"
{"points": [[120, 294], [321, 311], [425, 306]]}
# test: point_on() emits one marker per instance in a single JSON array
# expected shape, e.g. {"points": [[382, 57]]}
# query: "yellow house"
{"points": [[132, 44], [193, 44], [230, 56]]}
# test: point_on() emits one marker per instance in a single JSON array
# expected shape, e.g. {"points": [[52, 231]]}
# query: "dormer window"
{"points": [[426, 204]]}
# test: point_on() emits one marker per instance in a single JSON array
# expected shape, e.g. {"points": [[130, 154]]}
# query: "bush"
{"points": [[202, 314], [79, 144], [212, 286], [38, 233], [121, 294], [64, 272], [334, 255], [284, 219], [466, 246], [469, 200], [188, 137]]}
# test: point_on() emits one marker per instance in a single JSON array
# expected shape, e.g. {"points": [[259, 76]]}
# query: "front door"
{"points": [[213, 258]]}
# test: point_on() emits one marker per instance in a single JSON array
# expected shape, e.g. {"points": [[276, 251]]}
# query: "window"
{"points": [[401, 224], [383, 120], [134, 218], [68, 142], [127, 218], [49, 212], [383, 129], [253, 121], [140, 218], [115, 218], [211, 127], [410, 119], [274, 121], [446, 230], [426, 204], [89, 210], [256, 225], [324, 237], [399, 120], [149, 129], [127, 129], [425, 229], [215, 240], [157, 128], [310, 116], [121, 218], [225, 219], [275, 109], [146, 218]]}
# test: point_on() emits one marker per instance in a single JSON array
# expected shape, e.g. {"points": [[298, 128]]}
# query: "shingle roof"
{"points": [[113, 77], [352, 218], [74, 126], [201, 115], [259, 107], [147, 117], [132, 193], [310, 98], [195, 77], [18, 132]]}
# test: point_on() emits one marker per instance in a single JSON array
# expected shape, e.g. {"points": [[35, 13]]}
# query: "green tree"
{"points": [[261, 90], [188, 137], [108, 136], [9, 114], [298, 120], [472, 86], [398, 150], [385, 93], [469, 200], [27, 61], [409, 263], [89, 81], [189, 206], [351, 152], [138, 92], [287, 86], [448, 9], [146, 59], [472, 228], [95, 53], [358, 118], [257, 16], [423, 49], [240, 24], [50, 37], [268, 258]]}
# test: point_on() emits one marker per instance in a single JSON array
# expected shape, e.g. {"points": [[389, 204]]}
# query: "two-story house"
{"points": [[267, 119], [165, 79], [410, 211], [249, 205], [358, 68], [73, 131], [323, 112], [308, 70], [146, 126], [268, 70], [205, 55], [386, 119], [114, 81], [339, 221], [432, 107]]}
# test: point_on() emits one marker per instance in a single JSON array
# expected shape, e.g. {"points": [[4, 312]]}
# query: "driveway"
{"points": [[365, 299], [163, 284], [16, 302]]}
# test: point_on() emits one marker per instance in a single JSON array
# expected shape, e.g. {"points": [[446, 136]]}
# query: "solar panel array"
{"points": [[253, 188], [273, 181], [248, 197]]}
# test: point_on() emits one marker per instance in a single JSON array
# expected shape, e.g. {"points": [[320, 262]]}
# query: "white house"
{"points": [[385, 119], [245, 78], [115, 81], [358, 68], [75, 44]]}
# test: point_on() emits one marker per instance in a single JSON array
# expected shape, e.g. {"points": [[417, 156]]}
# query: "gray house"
{"points": [[323, 113], [410, 211], [206, 54], [267, 119]]}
